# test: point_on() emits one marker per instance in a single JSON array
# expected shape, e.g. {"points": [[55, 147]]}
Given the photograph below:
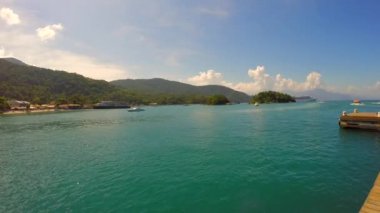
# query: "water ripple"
{"points": [[275, 158]]}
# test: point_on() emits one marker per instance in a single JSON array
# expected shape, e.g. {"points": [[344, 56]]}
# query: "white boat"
{"points": [[135, 109], [256, 104], [357, 102], [111, 105]]}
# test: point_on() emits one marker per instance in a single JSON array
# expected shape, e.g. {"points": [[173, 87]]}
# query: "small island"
{"points": [[217, 100], [272, 97]]}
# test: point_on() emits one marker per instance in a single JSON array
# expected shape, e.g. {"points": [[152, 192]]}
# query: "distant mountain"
{"points": [[14, 61], [38, 85], [21, 81], [324, 95], [162, 86]]}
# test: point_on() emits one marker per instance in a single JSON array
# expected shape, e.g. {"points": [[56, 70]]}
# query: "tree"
{"points": [[4, 106], [217, 100], [272, 97]]}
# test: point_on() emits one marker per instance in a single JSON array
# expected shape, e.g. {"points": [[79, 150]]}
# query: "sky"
{"points": [[248, 45]]}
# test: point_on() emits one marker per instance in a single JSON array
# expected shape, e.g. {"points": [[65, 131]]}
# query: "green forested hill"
{"points": [[35, 84], [14, 61], [162, 86], [38, 85]]}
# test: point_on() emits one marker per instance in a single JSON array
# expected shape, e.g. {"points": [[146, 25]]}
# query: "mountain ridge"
{"points": [[21, 81], [26, 84], [159, 85], [40, 85], [14, 61]]}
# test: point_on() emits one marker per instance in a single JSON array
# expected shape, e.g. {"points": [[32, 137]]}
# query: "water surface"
{"points": [[239, 158]]}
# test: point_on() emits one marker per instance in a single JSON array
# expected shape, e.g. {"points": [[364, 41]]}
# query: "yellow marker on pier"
{"points": [[372, 203]]}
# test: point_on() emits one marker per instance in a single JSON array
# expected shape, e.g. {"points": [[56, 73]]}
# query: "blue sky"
{"points": [[244, 44]]}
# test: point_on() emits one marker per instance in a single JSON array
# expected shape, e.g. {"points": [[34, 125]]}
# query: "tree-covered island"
{"points": [[272, 97], [217, 100]]}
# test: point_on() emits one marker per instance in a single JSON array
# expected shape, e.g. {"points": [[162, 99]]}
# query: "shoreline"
{"points": [[24, 112]]}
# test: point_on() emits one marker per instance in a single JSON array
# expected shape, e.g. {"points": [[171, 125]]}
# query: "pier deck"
{"points": [[360, 120], [372, 203]]}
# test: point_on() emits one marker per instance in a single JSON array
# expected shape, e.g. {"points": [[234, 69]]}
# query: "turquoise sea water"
{"points": [[239, 158]]}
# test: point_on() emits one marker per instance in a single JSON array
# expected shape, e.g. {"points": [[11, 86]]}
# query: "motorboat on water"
{"points": [[356, 102], [135, 109], [111, 105], [256, 104]]}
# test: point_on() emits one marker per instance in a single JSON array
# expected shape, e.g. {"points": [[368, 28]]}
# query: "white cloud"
{"points": [[263, 81], [205, 78], [260, 81], [5, 54], [369, 91], [26, 47], [247, 87], [49, 32], [10, 17], [81, 64], [313, 81]]}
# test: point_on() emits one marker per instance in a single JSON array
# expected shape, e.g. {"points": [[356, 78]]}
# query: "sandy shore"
{"points": [[18, 112]]}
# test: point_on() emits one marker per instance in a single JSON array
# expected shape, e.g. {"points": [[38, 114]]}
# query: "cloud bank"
{"points": [[260, 81], [4, 54], [31, 48], [208, 77], [10, 17]]}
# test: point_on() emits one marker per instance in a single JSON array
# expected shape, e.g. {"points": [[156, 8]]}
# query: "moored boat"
{"points": [[135, 109], [111, 105], [360, 120], [356, 102]]}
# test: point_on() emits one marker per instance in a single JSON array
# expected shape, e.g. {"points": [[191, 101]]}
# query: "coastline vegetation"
{"points": [[4, 106], [272, 97], [41, 86], [160, 86], [44, 86], [217, 100]]}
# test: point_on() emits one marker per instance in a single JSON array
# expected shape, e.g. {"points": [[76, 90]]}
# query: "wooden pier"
{"points": [[360, 120], [372, 203]]}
